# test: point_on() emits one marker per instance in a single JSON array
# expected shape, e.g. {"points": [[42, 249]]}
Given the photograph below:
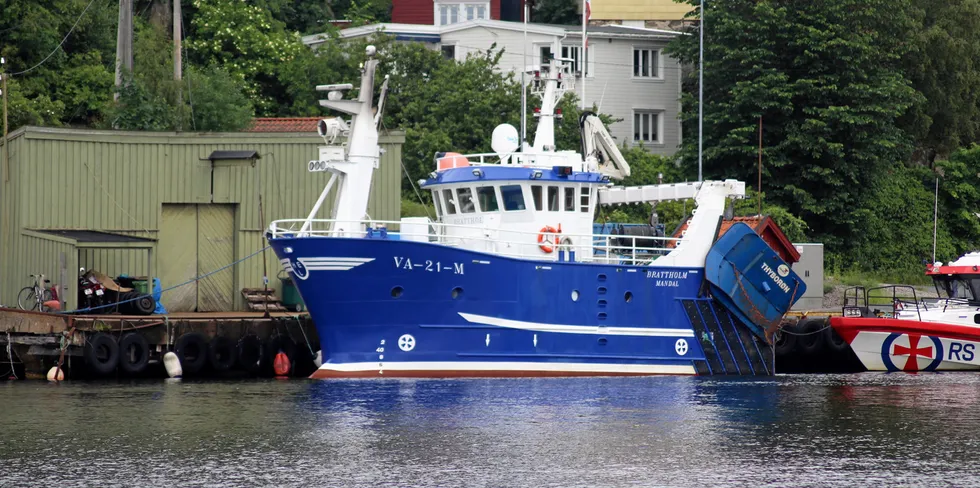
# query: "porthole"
{"points": [[628, 296], [397, 291], [574, 295], [456, 293]]}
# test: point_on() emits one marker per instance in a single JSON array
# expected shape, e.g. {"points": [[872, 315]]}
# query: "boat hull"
{"points": [[393, 308], [888, 344]]}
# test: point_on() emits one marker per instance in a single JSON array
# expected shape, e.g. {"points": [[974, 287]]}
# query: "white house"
{"points": [[627, 76]]}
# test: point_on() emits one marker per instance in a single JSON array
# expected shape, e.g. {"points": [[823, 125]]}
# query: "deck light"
{"points": [[478, 173], [536, 175], [433, 175]]}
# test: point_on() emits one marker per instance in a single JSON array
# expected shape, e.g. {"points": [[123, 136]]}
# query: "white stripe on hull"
{"points": [[576, 329], [450, 366]]}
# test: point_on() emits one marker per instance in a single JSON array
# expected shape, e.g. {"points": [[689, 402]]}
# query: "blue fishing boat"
{"points": [[510, 279]]}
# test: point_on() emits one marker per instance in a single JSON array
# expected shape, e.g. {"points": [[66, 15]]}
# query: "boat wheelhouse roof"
{"points": [[477, 174]]}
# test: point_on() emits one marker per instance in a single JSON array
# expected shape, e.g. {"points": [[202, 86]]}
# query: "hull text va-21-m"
{"points": [[510, 279]]}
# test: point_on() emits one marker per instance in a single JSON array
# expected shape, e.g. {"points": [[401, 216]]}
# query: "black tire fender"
{"points": [[786, 338], [811, 340], [192, 350], [222, 353], [134, 353], [250, 354], [834, 342], [101, 342]]}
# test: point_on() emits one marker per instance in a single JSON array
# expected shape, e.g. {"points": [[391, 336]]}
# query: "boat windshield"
{"points": [[961, 287]]}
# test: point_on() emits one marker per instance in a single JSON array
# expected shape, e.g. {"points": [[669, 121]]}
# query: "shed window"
{"points": [[488, 198], [584, 199], [537, 197], [449, 201], [569, 198], [466, 204], [552, 198], [513, 197]]}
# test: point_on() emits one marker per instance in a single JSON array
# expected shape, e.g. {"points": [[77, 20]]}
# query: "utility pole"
{"points": [[6, 173], [760, 165], [124, 43], [177, 62]]}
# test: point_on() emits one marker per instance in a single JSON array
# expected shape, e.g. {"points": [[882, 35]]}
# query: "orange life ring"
{"points": [[545, 243]]}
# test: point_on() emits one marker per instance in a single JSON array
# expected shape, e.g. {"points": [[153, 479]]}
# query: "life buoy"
{"points": [[544, 242]]}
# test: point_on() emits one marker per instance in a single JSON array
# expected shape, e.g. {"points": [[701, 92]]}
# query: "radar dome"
{"points": [[504, 139]]}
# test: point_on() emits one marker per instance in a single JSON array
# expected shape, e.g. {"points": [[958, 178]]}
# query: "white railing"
{"points": [[524, 159], [596, 248]]}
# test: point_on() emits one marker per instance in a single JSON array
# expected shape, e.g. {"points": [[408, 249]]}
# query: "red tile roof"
{"points": [[284, 124]]}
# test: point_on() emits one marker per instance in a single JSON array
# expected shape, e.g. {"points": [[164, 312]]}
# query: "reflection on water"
{"points": [[854, 430]]}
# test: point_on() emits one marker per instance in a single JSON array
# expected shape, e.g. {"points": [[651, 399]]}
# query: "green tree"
{"points": [[959, 194], [562, 12], [825, 77]]}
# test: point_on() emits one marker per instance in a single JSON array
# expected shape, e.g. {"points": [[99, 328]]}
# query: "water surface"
{"points": [[848, 430]]}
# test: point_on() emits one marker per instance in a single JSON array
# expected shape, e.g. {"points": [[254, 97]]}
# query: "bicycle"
{"points": [[33, 297]]}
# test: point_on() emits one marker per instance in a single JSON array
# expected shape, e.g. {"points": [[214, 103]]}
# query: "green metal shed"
{"points": [[166, 204]]}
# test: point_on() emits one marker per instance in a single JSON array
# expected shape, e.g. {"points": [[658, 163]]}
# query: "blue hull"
{"points": [[401, 308]]}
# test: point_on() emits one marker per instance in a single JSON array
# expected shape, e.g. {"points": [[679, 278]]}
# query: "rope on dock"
{"points": [[784, 331], [10, 356], [192, 280], [307, 339]]}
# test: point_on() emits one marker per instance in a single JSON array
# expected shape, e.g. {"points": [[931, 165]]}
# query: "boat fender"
{"points": [[134, 353], [273, 346], [280, 366], [221, 353], [56, 374], [192, 350], [250, 353], [834, 342], [101, 342], [318, 359], [172, 364], [810, 340], [786, 339], [545, 242]]}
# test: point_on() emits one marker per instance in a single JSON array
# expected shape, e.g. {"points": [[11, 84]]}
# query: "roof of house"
{"points": [[284, 124], [432, 33], [764, 226]]}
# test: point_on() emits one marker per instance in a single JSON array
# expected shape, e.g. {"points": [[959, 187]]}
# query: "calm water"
{"points": [[855, 430]]}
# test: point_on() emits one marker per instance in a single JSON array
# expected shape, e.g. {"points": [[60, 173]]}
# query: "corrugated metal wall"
{"points": [[36, 255], [117, 182]]}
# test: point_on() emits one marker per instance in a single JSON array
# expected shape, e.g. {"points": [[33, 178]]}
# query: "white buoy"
{"points": [[318, 360], [172, 363], [56, 374]]}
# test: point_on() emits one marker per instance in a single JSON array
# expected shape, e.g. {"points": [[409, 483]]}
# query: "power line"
{"points": [[62, 43]]}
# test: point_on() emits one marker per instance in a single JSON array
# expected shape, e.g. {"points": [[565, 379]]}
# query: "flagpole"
{"points": [[701, 90], [585, 45], [523, 85]]}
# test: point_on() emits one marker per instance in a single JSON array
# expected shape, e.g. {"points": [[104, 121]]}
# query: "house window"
{"points": [[488, 198], [546, 55], [575, 54], [476, 11], [646, 126], [646, 63], [513, 197], [449, 52], [448, 14]]}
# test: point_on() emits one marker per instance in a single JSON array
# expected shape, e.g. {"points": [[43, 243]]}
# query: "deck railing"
{"points": [[596, 248]]}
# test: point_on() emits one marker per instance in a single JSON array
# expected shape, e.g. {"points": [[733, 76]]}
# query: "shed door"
{"points": [[178, 256], [215, 250]]}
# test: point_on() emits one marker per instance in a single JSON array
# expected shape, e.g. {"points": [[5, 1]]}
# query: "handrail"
{"points": [[607, 248], [522, 159]]}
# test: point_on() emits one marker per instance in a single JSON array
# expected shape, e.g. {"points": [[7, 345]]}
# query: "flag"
{"points": [[588, 10], [586, 16]]}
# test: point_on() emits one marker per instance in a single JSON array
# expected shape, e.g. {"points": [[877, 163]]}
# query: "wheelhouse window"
{"points": [[536, 195], [488, 198], [436, 202], [449, 201], [552, 198], [569, 199], [513, 197], [466, 204], [584, 198]]}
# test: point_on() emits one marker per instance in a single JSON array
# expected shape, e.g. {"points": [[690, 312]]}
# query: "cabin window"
{"points": [[436, 202], [466, 204], [584, 198], [449, 201], [552, 198], [513, 197], [488, 198], [569, 198], [536, 195]]}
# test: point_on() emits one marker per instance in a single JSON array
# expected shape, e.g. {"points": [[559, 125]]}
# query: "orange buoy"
{"points": [[281, 364]]}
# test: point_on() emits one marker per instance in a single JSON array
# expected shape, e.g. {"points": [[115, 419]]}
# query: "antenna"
{"points": [[701, 92]]}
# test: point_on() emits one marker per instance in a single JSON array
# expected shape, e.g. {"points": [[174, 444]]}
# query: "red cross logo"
{"points": [[914, 352]]}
